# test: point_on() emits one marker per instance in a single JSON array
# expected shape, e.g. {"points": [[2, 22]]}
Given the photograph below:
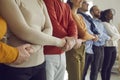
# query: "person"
{"points": [[98, 46], [28, 22], [89, 56], [110, 46], [9, 54], [119, 63], [63, 26], [118, 55], [76, 57]]}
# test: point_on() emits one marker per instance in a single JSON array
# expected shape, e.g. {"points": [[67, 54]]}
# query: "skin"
{"points": [[77, 3], [95, 12], [84, 7], [109, 16]]}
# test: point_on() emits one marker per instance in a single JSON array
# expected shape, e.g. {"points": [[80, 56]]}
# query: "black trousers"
{"points": [[97, 61], [31, 73], [88, 60], [109, 60]]}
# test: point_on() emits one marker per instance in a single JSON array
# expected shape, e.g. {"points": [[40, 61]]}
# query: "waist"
{"points": [[50, 50], [34, 60]]}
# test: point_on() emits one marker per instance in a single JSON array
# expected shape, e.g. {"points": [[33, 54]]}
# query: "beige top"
{"points": [[113, 33], [28, 22]]}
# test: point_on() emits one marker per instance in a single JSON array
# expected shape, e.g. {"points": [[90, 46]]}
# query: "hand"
{"points": [[70, 42], [24, 53], [96, 38], [78, 43], [29, 49], [63, 42]]}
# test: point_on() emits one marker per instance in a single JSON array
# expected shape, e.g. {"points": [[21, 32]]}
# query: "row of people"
{"points": [[100, 51], [28, 22], [72, 30]]}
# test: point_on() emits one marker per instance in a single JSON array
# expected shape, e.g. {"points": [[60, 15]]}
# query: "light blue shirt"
{"points": [[89, 43], [102, 33]]}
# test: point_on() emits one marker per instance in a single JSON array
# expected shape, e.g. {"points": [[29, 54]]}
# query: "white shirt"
{"points": [[113, 33]]}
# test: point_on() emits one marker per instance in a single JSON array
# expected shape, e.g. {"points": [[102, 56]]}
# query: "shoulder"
{"points": [[106, 23]]}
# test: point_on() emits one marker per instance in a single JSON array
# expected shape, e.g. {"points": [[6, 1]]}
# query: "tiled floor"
{"points": [[115, 76], [115, 73]]}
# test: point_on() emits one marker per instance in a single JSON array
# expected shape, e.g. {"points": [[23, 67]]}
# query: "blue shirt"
{"points": [[89, 43], [102, 33]]}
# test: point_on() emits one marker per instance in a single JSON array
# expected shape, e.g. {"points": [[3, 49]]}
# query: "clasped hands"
{"points": [[24, 52], [71, 42], [96, 38]]}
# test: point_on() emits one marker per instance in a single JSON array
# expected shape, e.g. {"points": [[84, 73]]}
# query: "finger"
{"points": [[24, 53], [26, 45], [30, 50], [66, 47]]}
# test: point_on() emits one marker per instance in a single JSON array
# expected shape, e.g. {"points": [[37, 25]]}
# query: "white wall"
{"points": [[115, 4], [105, 4]]}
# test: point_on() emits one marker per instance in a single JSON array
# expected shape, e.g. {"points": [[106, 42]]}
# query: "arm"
{"points": [[117, 32], [3, 28], [21, 29], [57, 27], [7, 54], [48, 26], [114, 36], [105, 35], [55, 23], [72, 27], [82, 30], [13, 55]]}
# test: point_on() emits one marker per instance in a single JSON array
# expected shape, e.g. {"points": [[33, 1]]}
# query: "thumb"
{"points": [[30, 50], [26, 45]]}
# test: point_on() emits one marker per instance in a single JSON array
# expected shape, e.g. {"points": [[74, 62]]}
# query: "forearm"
{"points": [[72, 26], [48, 25], [3, 28], [19, 27], [57, 27], [8, 54], [88, 36]]}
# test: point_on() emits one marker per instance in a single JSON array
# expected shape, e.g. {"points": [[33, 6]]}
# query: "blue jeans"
{"points": [[31, 73]]}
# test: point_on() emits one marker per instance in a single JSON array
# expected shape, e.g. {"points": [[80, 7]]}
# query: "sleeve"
{"points": [[8, 54], [21, 29], [72, 27], [105, 35], [48, 26], [52, 13], [117, 32], [3, 28], [82, 30], [113, 35]]}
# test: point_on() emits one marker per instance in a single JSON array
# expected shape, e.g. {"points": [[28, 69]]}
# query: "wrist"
{"points": [[63, 42]]}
